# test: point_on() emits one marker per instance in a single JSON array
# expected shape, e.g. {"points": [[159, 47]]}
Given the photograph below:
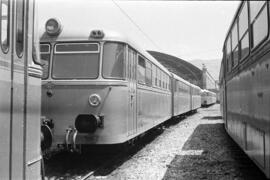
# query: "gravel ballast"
{"points": [[198, 147]]}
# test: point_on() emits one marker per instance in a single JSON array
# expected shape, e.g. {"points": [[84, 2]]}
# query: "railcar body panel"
{"points": [[196, 97], [247, 110], [181, 96], [70, 100], [154, 107]]}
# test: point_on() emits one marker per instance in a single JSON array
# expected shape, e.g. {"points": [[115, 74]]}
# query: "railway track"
{"points": [[98, 162], [66, 165]]}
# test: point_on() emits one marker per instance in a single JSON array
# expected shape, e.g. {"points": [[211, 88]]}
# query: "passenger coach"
{"points": [[245, 82]]}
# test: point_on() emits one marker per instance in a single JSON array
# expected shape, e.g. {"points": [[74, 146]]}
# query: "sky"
{"points": [[186, 29]]}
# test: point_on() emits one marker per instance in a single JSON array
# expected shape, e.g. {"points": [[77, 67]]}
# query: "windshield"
{"points": [[45, 51], [76, 61]]}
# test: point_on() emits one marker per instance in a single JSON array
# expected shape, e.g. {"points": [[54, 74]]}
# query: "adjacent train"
{"points": [[208, 98], [20, 92], [245, 82]]}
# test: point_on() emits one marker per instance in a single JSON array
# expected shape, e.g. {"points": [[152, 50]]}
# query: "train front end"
{"points": [[84, 93]]}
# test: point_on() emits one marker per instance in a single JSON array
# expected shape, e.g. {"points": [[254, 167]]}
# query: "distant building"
{"points": [[186, 70], [208, 82]]}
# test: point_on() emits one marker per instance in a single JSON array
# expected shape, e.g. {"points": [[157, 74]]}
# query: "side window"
{"points": [[162, 79], [166, 81], [158, 77], [154, 75], [45, 51], [243, 32], [141, 70], [228, 54], [259, 21], [113, 60], [235, 52], [5, 19], [148, 73], [19, 27], [131, 69], [170, 83]]}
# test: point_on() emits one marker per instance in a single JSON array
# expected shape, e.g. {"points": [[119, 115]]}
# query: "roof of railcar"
{"points": [[194, 86], [181, 79]]}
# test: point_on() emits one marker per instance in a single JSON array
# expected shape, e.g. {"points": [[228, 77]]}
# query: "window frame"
{"points": [[21, 53], [52, 62], [251, 22], [49, 64], [101, 60], [76, 52], [147, 69], [5, 51], [138, 80], [229, 55], [246, 32], [234, 48]]}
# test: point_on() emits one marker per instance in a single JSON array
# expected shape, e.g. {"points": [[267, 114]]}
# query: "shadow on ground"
{"points": [[221, 158]]}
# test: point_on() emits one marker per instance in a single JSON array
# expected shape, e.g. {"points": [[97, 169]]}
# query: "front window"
{"points": [[76, 61], [113, 60]]}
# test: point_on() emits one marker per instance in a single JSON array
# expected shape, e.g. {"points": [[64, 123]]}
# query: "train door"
{"points": [[25, 97], [5, 88], [18, 119], [132, 120]]}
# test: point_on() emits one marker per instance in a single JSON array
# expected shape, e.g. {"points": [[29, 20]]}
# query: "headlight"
{"points": [[94, 100]]}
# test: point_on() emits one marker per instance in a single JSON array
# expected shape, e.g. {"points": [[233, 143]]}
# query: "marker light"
{"points": [[94, 100], [53, 27], [97, 34]]}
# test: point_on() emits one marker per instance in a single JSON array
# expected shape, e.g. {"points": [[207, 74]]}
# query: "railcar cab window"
{"points": [[5, 25], [113, 60], [45, 51], [141, 70], [259, 21], [19, 27], [76, 61]]}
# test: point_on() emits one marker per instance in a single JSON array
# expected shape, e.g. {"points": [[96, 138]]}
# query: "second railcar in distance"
{"points": [[208, 97]]}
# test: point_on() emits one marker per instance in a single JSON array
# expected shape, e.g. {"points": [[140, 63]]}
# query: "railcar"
{"points": [[245, 95], [99, 88], [208, 97], [181, 96], [196, 97], [20, 92]]}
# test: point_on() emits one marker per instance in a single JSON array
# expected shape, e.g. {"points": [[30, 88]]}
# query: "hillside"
{"points": [[179, 66]]}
